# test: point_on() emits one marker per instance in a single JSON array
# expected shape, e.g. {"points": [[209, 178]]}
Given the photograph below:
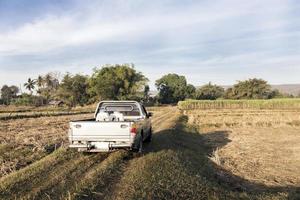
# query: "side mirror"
{"points": [[150, 114]]}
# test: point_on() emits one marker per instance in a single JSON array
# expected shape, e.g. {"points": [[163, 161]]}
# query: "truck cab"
{"points": [[116, 124]]}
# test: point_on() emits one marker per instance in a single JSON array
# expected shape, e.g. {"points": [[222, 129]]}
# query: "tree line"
{"points": [[123, 82]]}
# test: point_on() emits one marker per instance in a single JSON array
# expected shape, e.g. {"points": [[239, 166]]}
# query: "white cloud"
{"points": [[201, 37], [52, 32]]}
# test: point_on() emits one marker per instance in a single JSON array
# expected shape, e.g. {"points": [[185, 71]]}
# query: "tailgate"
{"points": [[100, 131]]}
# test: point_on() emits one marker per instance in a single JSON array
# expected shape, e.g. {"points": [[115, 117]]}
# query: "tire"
{"points": [[149, 138], [140, 149]]}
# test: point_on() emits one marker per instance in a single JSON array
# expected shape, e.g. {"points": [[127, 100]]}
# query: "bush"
{"points": [[29, 100], [210, 92], [173, 88], [250, 89], [117, 82], [73, 90]]}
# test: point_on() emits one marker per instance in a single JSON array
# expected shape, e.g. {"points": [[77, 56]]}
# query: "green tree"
{"points": [[117, 82], [47, 85], [30, 85], [250, 89], [146, 92], [51, 81], [73, 89], [28, 100], [190, 91], [209, 91], [48, 79], [277, 94], [8, 93], [40, 81], [14, 90], [229, 94], [172, 88]]}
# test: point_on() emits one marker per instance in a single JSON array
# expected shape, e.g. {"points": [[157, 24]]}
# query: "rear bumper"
{"points": [[100, 146]]}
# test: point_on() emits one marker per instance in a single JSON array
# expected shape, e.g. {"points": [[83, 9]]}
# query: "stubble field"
{"points": [[262, 145], [195, 154]]}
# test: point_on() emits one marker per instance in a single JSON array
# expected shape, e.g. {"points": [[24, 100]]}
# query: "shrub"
{"points": [[210, 92]]}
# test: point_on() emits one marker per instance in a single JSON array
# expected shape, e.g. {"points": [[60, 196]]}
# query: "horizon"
{"points": [[206, 42]]}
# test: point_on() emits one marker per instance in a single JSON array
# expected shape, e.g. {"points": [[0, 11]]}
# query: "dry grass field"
{"points": [[24, 141], [195, 154], [263, 145]]}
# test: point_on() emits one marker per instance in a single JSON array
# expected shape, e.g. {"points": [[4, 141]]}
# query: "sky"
{"points": [[221, 41]]}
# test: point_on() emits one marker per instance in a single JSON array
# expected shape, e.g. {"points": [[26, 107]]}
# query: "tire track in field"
{"points": [[66, 174], [63, 180], [160, 115], [158, 124], [100, 181], [21, 182], [52, 181], [109, 172], [109, 182], [161, 122]]}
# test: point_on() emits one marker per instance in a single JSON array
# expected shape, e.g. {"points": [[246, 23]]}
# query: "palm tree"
{"points": [[40, 81], [49, 80], [30, 85]]}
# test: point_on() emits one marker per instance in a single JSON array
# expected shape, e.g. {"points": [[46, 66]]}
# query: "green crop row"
{"points": [[289, 103]]}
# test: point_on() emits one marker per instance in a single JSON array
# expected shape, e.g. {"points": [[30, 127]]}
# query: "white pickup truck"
{"points": [[116, 124]]}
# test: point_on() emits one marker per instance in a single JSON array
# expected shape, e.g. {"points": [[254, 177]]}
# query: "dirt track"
{"points": [[68, 174]]}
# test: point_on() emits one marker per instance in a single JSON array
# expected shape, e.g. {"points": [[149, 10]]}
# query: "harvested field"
{"points": [[24, 141], [224, 118], [263, 145], [184, 161]]}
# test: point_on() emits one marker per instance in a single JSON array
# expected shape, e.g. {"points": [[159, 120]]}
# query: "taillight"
{"points": [[133, 130]]}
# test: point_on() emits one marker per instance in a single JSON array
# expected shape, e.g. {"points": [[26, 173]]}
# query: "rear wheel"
{"points": [[149, 137], [140, 149]]}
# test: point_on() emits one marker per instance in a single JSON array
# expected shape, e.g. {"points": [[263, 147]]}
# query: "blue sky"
{"points": [[220, 41]]}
